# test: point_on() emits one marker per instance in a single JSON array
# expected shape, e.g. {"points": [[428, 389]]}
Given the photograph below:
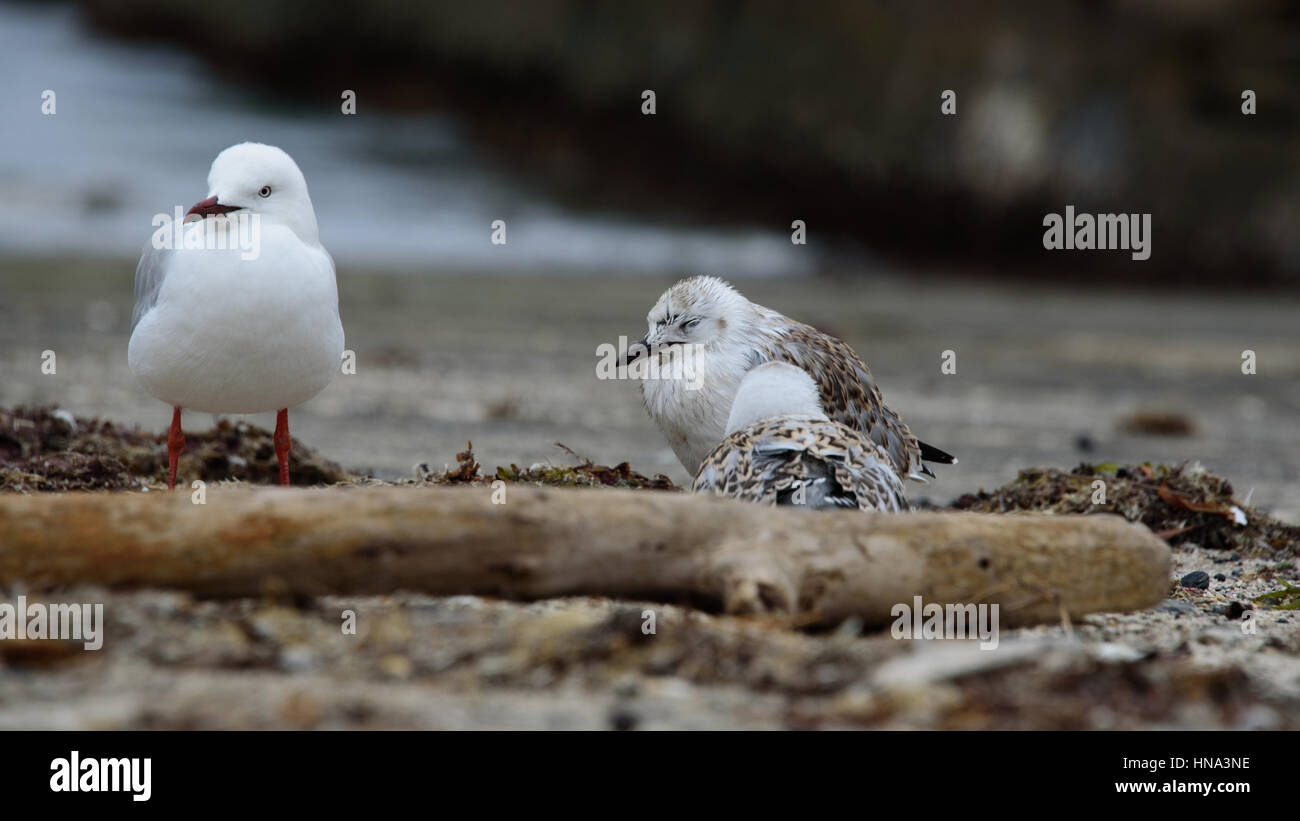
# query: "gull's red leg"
{"points": [[282, 443], [175, 444]]}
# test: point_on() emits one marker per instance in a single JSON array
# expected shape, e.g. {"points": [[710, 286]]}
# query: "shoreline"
{"points": [[1046, 376]]}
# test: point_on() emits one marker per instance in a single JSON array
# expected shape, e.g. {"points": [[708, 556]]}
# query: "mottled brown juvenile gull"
{"points": [[781, 449], [720, 335]]}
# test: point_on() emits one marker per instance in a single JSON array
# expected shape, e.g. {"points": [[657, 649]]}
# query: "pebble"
{"points": [[623, 719], [1220, 577], [627, 687], [1259, 717], [1178, 608], [1116, 652], [396, 666], [1197, 580], [297, 658], [66, 418]]}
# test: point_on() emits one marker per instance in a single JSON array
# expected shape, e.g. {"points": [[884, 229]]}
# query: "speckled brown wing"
{"points": [[848, 391], [818, 464]]}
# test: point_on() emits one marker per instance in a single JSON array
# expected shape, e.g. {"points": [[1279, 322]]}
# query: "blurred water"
{"points": [[138, 125]]}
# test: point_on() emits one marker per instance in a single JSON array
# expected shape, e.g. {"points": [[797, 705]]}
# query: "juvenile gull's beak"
{"points": [[208, 207], [635, 351]]}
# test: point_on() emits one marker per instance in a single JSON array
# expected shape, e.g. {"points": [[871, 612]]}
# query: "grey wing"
{"points": [[840, 468], [149, 276], [813, 485], [777, 463]]}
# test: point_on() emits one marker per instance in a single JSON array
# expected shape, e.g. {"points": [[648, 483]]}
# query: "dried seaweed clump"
{"points": [[466, 471], [1182, 503], [1158, 423], [47, 449], [583, 474]]}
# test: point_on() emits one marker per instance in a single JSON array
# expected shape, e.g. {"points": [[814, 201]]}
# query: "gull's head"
{"points": [[774, 390], [263, 180], [699, 310]]}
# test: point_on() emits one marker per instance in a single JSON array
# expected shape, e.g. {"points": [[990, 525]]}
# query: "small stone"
{"points": [[621, 718], [1178, 608], [1220, 577], [66, 418], [1196, 580], [1234, 611], [627, 687], [1115, 652], [395, 665], [297, 658], [1259, 717], [497, 664]]}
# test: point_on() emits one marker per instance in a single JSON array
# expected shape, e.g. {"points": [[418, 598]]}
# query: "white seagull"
{"points": [[227, 326]]}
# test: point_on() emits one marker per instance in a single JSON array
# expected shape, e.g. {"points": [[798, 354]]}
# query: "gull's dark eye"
{"points": [[265, 192], [690, 323]]}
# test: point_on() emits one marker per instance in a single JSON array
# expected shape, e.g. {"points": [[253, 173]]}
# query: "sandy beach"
{"points": [[1044, 376]]}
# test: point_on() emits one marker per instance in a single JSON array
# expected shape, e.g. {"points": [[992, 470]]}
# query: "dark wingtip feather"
{"points": [[930, 453]]}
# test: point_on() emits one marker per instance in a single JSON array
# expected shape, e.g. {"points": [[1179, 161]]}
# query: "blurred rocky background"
{"points": [[830, 112], [925, 231], [925, 236]]}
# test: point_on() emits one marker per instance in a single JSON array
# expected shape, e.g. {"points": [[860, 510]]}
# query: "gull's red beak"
{"points": [[209, 207]]}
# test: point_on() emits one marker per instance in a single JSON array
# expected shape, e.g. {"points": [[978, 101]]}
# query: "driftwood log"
{"points": [[807, 567]]}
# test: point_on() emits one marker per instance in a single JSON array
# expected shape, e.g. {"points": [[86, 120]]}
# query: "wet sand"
{"points": [[1045, 375]]}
